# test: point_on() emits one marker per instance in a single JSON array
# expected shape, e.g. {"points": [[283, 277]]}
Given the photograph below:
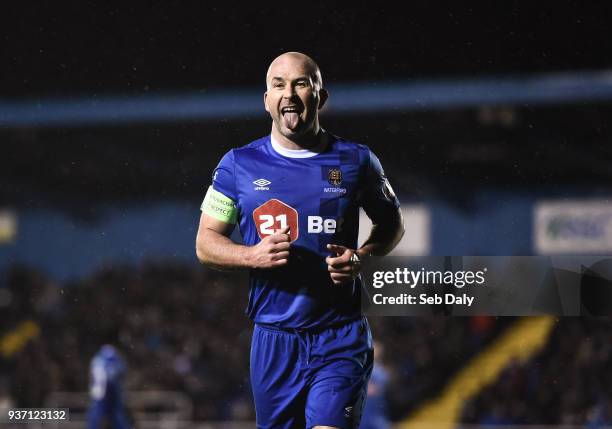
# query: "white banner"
{"points": [[573, 226], [417, 238]]}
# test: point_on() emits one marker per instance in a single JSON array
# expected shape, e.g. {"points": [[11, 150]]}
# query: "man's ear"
{"points": [[265, 99], [323, 96]]}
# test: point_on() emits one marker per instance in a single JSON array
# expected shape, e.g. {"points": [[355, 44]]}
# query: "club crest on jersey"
{"points": [[262, 184], [334, 176]]}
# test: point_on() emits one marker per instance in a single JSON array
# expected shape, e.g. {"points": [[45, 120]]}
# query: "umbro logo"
{"points": [[262, 184]]}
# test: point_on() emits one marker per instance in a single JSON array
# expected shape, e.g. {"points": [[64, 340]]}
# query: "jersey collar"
{"points": [[299, 153]]}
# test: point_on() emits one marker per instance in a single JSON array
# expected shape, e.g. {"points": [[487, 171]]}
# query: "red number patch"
{"points": [[274, 215]]}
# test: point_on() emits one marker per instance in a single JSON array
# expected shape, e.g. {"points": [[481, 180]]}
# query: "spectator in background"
{"points": [[6, 402], [376, 413], [107, 370], [601, 414]]}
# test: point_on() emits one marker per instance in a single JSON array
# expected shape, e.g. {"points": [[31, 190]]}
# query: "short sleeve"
{"points": [[223, 179], [220, 199], [377, 198]]}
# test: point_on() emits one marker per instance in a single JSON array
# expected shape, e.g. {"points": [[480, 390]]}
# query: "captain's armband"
{"points": [[219, 206]]}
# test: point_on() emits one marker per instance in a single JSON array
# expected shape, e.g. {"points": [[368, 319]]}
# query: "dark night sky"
{"points": [[69, 48]]}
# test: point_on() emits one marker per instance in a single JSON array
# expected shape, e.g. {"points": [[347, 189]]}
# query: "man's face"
{"points": [[293, 96]]}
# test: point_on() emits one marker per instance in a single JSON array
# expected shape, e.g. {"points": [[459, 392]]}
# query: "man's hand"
{"points": [[271, 252], [342, 267]]}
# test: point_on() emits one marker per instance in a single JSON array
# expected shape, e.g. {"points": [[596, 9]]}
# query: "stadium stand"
{"points": [[183, 329], [567, 383]]}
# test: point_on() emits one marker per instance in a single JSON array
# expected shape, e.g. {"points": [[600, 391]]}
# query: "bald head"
{"points": [[294, 95], [299, 60]]}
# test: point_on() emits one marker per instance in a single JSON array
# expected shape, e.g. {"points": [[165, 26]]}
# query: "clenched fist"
{"points": [[272, 251], [342, 267]]}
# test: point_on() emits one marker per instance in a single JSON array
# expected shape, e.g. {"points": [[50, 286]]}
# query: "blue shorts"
{"points": [[302, 379]]}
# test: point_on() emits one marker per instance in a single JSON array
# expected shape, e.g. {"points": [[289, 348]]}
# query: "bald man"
{"points": [[296, 195]]}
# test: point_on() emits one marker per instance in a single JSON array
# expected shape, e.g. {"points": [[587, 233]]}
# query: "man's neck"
{"points": [[307, 141]]}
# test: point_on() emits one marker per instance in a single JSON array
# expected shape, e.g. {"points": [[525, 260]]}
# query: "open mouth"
{"points": [[291, 109]]}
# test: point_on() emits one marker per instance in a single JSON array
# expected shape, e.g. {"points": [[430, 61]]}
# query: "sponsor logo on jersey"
{"points": [[318, 224], [262, 184], [388, 190], [348, 412], [274, 215]]}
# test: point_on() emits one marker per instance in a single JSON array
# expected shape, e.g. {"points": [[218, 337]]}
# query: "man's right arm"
{"points": [[219, 216], [215, 249]]}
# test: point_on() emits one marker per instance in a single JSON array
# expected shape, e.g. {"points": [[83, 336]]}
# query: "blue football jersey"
{"points": [[318, 195], [107, 370]]}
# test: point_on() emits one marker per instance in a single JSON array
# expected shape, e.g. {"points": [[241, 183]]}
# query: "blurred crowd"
{"points": [[183, 328], [178, 329], [568, 383]]}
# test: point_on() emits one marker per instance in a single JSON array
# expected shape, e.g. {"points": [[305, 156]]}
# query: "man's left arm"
{"points": [[384, 236], [382, 207]]}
